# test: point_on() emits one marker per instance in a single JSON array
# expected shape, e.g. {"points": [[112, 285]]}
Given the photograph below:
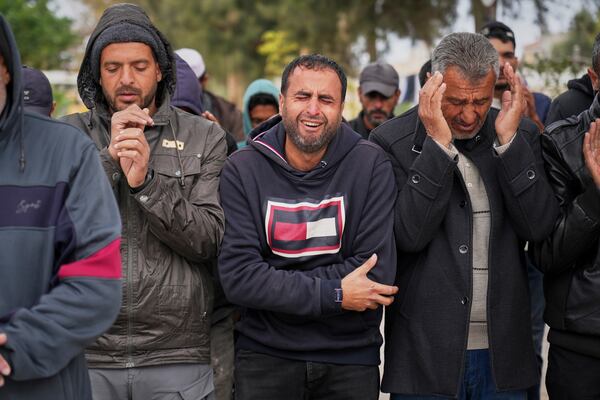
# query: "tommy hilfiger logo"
{"points": [[24, 206], [305, 229]]}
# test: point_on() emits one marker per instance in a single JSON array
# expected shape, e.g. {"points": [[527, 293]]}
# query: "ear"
{"points": [[281, 101], [517, 63], [4, 74], [594, 78], [158, 73], [397, 96]]}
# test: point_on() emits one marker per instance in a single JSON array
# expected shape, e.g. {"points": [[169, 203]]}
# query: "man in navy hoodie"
{"points": [[309, 246]]}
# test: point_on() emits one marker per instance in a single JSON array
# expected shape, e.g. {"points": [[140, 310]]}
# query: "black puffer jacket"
{"points": [[569, 257]]}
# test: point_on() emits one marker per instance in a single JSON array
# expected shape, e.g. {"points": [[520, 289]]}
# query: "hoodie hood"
{"points": [[12, 116], [114, 16], [583, 84], [269, 139], [258, 86], [188, 92]]}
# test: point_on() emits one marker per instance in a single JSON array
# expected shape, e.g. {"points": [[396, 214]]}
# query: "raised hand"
{"points": [[591, 151], [430, 110], [360, 293], [513, 106], [4, 367], [128, 143]]}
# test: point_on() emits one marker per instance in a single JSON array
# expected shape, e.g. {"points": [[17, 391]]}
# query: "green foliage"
{"points": [[278, 50], [571, 56], [42, 37]]}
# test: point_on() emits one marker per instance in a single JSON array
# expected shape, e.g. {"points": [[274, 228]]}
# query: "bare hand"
{"points": [[513, 105], [133, 151], [360, 293], [591, 151], [132, 117], [210, 116], [430, 110], [4, 367]]}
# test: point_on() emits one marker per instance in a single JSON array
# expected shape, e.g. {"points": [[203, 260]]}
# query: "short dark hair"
{"points": [[314, 62], [500, 31], [596, 55], [262, 99], [425, 68]]}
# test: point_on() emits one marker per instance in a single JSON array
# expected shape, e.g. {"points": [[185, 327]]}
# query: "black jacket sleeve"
{"points": [[578, 225]]}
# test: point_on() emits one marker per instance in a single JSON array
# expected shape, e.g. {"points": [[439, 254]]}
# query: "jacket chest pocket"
{"points": [[183, 170]]}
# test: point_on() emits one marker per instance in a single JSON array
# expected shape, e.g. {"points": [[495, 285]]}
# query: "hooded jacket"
{"points": [[172, 227], [289, 243], [570, 256], [576, 99], [60, 267], [258, 86]]}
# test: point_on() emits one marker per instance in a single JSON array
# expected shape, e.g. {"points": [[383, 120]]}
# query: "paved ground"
{"points": [[544, 395]]}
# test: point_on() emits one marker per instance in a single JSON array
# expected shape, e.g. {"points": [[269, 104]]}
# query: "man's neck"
{"points": [[300, 160]]}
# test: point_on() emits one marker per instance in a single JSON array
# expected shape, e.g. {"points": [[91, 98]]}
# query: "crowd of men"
{"points": [[163, 245]]}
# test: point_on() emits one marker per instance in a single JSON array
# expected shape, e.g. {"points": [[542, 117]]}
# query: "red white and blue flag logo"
{"points": [[305, 229]]}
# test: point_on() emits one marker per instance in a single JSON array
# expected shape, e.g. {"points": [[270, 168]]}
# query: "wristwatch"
{"points": [[339, 295]]}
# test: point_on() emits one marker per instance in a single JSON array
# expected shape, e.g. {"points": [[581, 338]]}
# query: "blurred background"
{"points": [[244, 40]]}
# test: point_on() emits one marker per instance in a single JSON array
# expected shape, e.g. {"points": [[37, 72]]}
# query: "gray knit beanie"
{"points": [[127, 32]]}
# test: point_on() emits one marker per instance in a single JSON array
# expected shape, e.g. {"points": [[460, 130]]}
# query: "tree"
{"points": [[42, 37]]}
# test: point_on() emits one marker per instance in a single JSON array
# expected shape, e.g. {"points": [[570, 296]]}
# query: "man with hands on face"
{"points": [[163, 165], [472, 188], [308, 250], [569, 257]]}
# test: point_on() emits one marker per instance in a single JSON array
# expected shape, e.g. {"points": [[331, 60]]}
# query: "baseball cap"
{"points": [[496, 29], [37, 92], [193, 59], [379, 77]]}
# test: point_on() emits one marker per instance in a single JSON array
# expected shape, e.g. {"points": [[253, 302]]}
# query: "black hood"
{"points": [[583, 84], [12, 116], [87, 83]]}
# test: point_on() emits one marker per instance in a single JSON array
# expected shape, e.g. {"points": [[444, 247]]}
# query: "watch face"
{"points": [[338, 295]]}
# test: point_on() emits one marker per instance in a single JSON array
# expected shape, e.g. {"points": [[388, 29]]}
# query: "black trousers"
{"points": [[262, 377], [572, 376]]}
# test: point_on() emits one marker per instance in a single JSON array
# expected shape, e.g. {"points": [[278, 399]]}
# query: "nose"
{"points": [[126, 75], [313, 107], [468, 115]]}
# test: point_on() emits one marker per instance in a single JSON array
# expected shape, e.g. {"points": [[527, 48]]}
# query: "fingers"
{"points": [[383, 300], [4, 367], [132, 116], [368, 265], [381, 289]]}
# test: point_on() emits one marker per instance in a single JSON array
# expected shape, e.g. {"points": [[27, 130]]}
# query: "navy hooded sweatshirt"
{"points": [[291, 236]]}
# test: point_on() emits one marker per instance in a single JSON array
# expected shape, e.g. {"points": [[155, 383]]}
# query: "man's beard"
{"points": [[146, 100], [373, 117], [310, 146]]}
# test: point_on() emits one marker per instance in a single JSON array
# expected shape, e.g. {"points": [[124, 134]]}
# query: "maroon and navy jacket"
{"points": [[291, 236], [60, 267]]}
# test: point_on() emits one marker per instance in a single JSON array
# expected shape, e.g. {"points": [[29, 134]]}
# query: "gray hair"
{"points": [[471, 53]]}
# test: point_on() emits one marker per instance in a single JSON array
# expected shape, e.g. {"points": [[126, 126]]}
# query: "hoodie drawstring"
{"points": [[21, 144]]}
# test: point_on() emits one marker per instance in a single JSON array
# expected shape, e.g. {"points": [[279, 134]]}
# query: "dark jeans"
{"points": [[572, 376], [262, 377], [477, 384]]}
